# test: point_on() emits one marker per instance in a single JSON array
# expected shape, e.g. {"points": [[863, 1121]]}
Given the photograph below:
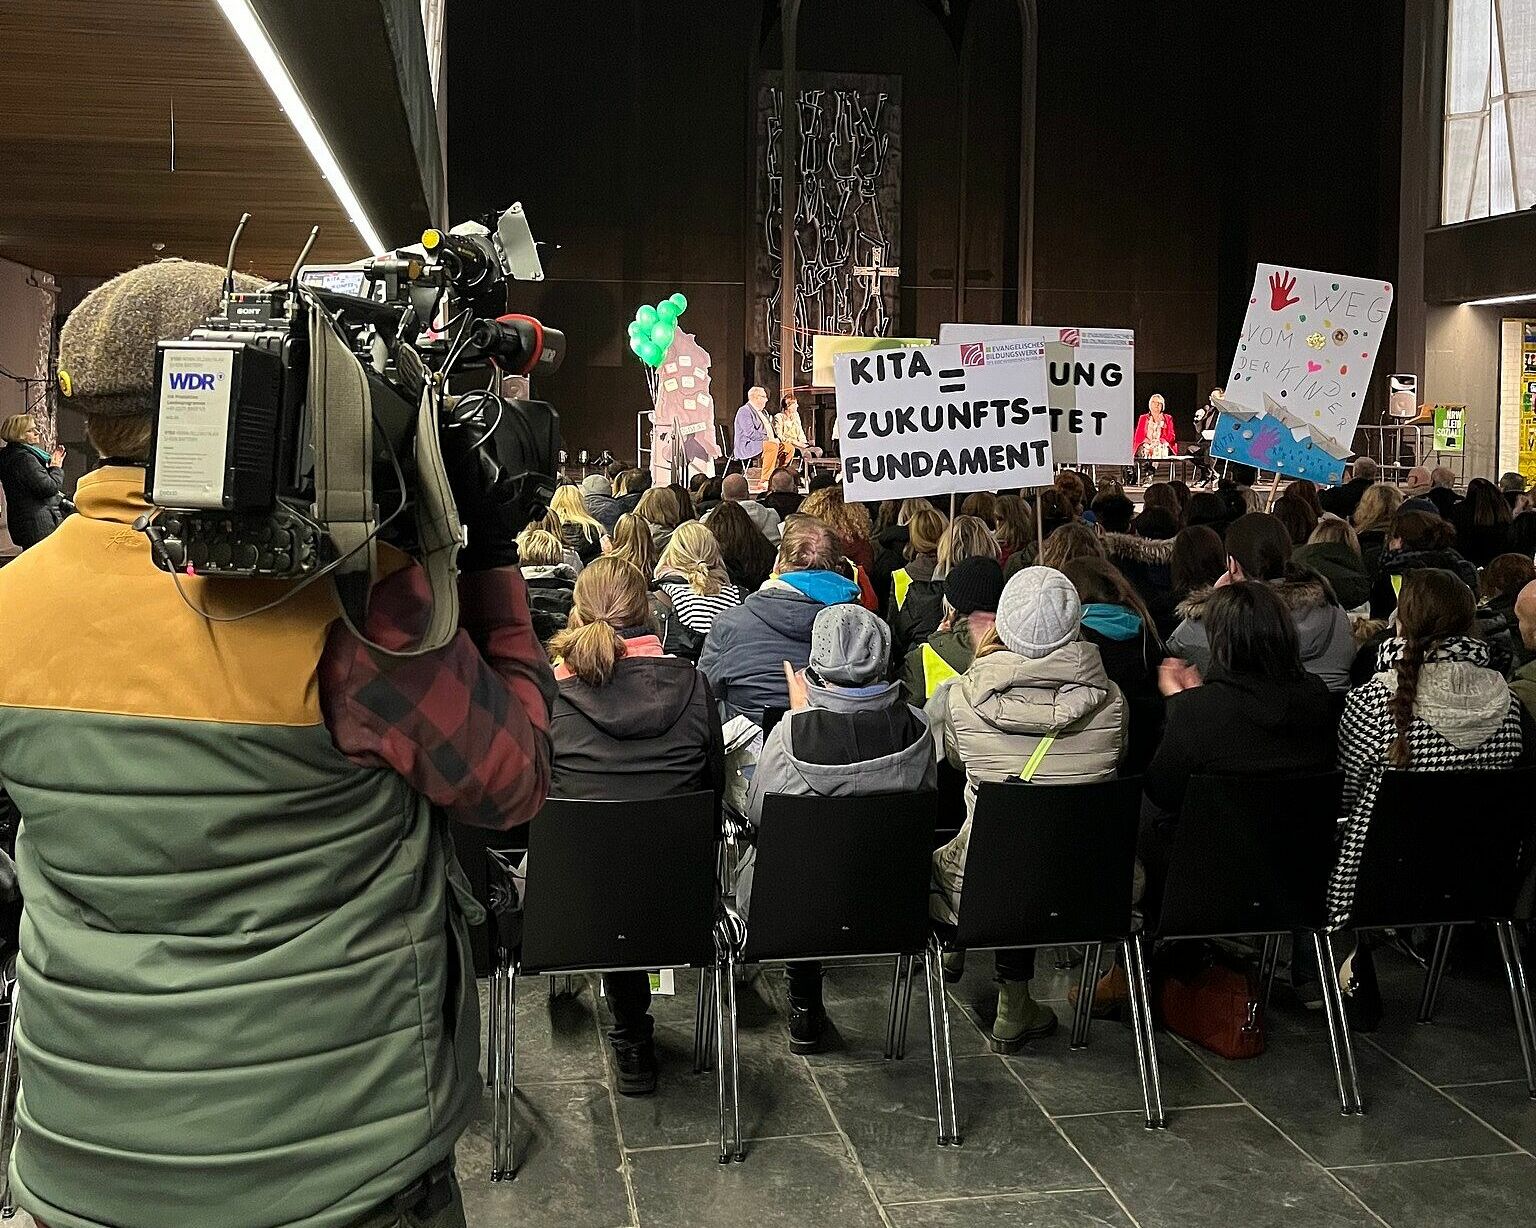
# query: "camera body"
{"points": [[234, 474]]}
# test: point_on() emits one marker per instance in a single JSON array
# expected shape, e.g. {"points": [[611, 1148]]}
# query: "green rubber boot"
{"points": [[1019, 1018]]}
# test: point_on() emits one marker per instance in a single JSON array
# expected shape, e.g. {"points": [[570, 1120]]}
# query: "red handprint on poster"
{"points": [[1280, 287]]}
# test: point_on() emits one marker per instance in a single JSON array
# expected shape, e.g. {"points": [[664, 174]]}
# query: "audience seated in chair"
{"points": [[550, 581], [1434, 705], [1036, 704], [1259, 549], [848, 733], [629, 722], [971, 593], [745, 651], [918, 615]]}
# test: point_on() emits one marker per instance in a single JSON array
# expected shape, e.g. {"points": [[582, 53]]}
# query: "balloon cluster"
{"points": [[652, 329]]}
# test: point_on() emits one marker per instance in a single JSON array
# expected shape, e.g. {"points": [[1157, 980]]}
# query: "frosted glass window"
{"points": [[1489, 150]]}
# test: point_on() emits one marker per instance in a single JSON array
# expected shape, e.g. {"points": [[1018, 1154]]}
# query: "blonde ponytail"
{"points": [[694, 554], [590, 652], [610, 595]]}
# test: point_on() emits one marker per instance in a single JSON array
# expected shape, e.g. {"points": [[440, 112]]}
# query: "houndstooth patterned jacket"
{"points": [[1464, 716]]}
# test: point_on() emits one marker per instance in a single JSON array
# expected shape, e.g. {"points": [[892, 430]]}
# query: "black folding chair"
{"points": [[1054, 865], [839, 878], [1446, 849], [611, 887], [1251, 859]]}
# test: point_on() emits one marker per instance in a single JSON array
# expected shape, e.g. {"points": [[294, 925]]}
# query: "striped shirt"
{"points": [[695, 611]]}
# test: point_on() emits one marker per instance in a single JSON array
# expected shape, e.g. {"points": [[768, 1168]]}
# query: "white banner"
{"points": [[943, 418], [1090, 388]]}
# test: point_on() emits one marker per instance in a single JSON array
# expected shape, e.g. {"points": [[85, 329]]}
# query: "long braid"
{"points": [[1409, 666]]}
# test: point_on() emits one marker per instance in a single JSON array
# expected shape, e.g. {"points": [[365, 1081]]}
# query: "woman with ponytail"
{"points": [[629, 722], [1434, 705], [692, 575]]}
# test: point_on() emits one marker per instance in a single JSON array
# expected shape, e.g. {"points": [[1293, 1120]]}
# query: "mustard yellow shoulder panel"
{"points": [[89, 624]]}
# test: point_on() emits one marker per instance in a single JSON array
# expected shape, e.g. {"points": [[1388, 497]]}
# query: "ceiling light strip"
{"points": [[264, 55], [1505, 298]]}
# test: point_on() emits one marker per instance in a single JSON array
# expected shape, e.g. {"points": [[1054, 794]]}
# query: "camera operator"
{"points": [[246, 997]]}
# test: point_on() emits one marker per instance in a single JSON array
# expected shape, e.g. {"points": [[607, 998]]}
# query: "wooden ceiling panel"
{"points": [[88, 154]]}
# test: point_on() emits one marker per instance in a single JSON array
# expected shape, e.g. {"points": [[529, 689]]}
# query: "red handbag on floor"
{"points": [[1218, 1008]]}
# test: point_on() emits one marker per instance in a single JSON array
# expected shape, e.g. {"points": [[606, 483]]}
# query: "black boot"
{"points": [[807, 1015], [637, 1067]]}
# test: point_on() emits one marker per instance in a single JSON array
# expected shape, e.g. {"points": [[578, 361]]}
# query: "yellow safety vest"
{"points": [[901, 581], [1397, 585], [936, 670]]}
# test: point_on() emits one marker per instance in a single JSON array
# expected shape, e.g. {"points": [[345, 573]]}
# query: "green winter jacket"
{"points": [[245, 995]]}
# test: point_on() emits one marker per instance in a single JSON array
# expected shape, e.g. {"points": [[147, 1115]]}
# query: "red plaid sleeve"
{"points": [[467, 725]]}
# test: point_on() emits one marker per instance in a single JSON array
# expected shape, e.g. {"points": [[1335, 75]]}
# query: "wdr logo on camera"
{"points": [[191, 381]]}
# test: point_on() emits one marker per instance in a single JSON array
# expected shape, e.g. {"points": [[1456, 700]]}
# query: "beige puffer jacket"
{"points": [[990, 721]]}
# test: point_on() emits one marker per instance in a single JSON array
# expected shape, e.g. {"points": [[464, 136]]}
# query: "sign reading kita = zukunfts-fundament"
{"points": [[939, 419]]}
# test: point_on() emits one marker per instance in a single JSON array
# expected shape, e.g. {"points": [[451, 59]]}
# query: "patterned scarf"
{"points": [[1452, 648]]}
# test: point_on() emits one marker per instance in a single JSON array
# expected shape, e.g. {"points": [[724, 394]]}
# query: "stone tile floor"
{"points": [[1053, 1138]]}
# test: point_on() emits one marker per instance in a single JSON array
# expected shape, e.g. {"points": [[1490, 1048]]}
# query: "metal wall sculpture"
{"points": [[849, 215]]}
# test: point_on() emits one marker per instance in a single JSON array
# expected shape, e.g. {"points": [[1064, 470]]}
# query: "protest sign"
{"points": [[943, 419], [1090, 388], [1448, 427], [825, 347], [1301, 370]]}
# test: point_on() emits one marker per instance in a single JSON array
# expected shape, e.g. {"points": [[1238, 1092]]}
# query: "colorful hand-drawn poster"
{"points": [[1300, 373]]}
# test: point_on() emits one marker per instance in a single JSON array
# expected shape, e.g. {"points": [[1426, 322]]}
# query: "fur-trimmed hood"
{"points": [[1301, 594], [1141, 549]]}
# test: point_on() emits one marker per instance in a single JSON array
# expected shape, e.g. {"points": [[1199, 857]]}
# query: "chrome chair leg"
{"points": [[1146, 1044], [492, 1013], [703, 1007], [943, 1055], [1338, 1026], [1269, 961], [1519, 996], [1434, 971], [8, 1098], [720, 1075], [890, 1009], [504, 1091], [905, 1012], [738, 1151], [1087, 982]]}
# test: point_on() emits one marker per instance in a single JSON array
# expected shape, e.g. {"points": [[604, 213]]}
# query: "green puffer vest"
{"points": [[245, 992]]}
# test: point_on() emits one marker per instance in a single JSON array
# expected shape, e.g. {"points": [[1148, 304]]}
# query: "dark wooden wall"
{"points": [[1177, 144]]}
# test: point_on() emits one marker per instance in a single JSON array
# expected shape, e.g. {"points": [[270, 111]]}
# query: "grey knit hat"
{"points": [[1040, 612], [107, 346], [596, 484], [850, 646]]}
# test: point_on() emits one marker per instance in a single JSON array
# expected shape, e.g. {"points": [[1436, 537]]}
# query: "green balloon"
{"points": [[662, 332], [651, 354], [638, 330], [638, 344], [646, 316], [667, 309], [679, 300]]}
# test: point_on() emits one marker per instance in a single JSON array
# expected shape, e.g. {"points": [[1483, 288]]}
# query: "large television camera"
{"points": [[312, 419]]}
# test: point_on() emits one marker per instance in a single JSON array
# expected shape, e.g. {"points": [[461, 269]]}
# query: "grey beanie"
{"points": [[850, 646], [596, 484], [1040, 612]]}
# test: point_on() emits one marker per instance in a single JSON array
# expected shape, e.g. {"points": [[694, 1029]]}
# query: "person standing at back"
{"points": [[33, 481], [630, 723], [1035, 705]]}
